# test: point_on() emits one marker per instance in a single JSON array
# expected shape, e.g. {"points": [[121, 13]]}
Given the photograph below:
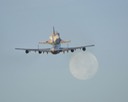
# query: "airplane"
{"points": [[56, 41]]}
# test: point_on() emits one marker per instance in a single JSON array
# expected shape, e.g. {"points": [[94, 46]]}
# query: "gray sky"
{"points": [[37, 78]]}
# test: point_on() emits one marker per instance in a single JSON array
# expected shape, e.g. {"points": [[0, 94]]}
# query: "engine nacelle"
{"points": [[39, 52], [72, 50], [26, 51], [84, 49]]}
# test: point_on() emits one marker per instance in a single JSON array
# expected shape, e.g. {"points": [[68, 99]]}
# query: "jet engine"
{"points": [[84, 49], [72, 50], [26, 51], [39, 52]]}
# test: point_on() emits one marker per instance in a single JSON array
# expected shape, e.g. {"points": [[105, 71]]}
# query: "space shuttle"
{"points": [[54, 39]]}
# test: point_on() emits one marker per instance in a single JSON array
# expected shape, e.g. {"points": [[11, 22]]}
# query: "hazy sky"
{"points": [[46, 78]]}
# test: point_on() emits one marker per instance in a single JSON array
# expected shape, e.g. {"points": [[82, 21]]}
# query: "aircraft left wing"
{"points": [[72, 49], [34, 50]]}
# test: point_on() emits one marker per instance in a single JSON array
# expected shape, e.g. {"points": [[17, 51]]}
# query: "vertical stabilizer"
{"points": [[53, 31]]}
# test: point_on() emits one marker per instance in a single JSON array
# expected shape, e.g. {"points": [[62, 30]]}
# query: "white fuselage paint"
{"points": [[55, 42], [56, 49]]}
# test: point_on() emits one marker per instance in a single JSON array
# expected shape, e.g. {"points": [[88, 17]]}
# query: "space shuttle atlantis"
{"points": [[54, 39]]}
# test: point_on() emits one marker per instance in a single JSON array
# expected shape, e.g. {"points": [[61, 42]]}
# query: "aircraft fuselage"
{"points": [[56, 49]]}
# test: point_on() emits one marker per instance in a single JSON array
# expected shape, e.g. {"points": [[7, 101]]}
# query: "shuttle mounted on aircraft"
{"points": [[56, 41]]}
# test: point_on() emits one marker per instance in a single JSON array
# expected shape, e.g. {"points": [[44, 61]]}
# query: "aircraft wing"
{"points": [[72, 49], [47, 50], [34, 50]]}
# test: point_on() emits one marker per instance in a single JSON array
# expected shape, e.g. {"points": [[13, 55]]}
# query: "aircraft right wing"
{"points": [[72, 49]]}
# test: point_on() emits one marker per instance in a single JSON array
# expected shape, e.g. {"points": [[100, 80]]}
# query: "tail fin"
{"points": [[53, 31]]}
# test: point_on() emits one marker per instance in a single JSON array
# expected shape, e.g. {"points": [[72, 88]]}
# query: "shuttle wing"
{"points": [[62, 41], [45, 42]]}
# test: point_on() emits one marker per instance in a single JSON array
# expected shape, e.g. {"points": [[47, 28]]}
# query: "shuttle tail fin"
{"points": [[53, 30]]}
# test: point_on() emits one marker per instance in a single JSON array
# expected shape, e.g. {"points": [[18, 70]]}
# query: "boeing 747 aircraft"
{"points": [[56, 48]]}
